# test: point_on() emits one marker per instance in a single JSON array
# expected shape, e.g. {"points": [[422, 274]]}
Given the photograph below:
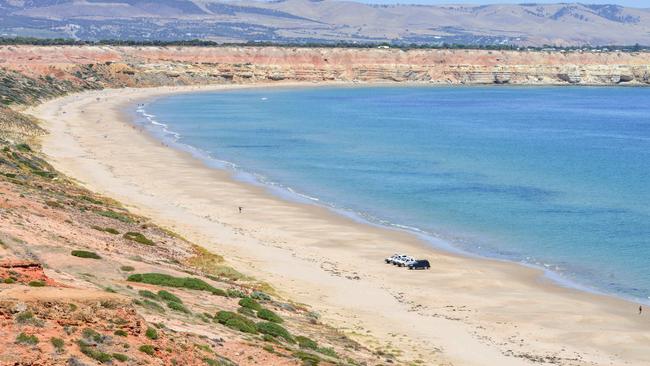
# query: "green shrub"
{"points": [[153, 305], [127, 269], [204, 348], [148, 294], [178, 307], [219, 292], [235, 293], [116, 216], [58, 343], [37, 283], [9, 280], [25, 317], [223, 316], [305, 342], [171, 281], [268, 338], [85, 254], [23, 147], [242, 324], [137, 237], [307, 359], [91, 334], [148, 349], [121, 333], [168, 296], [151, 333], [26, 339], [275, 330], [269, 315], [91, 200], [246, 311], [328, 351], [236, 321], [109, 230], [259, 295], [247, 302], [211, 362], [95, 354], [120, 357]]}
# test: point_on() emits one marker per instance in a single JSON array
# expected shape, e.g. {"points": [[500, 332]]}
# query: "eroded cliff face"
{"points": [[109, 66]]}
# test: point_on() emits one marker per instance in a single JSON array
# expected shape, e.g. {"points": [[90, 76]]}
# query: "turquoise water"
{"points": [[554, 177]]}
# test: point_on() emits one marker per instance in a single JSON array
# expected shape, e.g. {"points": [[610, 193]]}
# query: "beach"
{"points": [[464, 311]]}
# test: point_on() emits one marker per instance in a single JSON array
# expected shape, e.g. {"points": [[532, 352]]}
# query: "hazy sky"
{"points": [[634, 3]]}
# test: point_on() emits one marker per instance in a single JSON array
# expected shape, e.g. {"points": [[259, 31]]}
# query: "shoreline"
{"points": [[78, 149]]}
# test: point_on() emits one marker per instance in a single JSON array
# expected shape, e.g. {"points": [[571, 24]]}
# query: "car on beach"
{"points": [[393, 258], [418, 264], [401, 261]]}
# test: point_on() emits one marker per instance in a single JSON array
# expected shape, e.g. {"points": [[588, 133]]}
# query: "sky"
{"points": [[634, 3]]}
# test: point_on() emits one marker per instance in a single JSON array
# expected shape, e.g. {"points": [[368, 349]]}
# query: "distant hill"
{"points": [[325, 21]]}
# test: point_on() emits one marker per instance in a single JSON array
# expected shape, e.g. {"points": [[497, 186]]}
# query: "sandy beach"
{"points": [[464, 311]]}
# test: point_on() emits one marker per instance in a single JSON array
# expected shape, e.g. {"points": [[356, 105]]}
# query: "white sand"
{"points": [[464, 311]]}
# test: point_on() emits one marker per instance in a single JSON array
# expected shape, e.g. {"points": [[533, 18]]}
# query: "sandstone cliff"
{"points": [[109, 66]]}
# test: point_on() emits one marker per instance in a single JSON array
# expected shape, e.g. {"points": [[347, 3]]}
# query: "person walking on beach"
{"points": [[239, 209], [640, 309]]}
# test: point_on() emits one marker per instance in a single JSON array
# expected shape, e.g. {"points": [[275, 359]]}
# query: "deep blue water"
{"points": [[555, 177]]}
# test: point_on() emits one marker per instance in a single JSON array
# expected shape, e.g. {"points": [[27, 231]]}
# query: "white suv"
{"points": [[393, 258], [401, 261]]}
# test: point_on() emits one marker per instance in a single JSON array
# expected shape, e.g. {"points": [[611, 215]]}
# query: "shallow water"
{"points": [[555, 177]]}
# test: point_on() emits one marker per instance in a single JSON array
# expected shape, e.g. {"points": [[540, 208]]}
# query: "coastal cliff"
{"points": [[83, 67]]}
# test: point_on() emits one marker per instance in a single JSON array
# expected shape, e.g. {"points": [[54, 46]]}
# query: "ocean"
{"points": [[553, 177]]}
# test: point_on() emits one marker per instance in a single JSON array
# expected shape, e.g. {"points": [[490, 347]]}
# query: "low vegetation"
{"points": [[120, 357], [37, 283], [246, 311], [151, 333], [212, 265], [26, 339], [106, 230], [95, 354], [58, 343], [269, 315], [148, 349], [152, 305], [247, 302], [148, 294], [305, 342], [275, 330], [178, 307], [116, 216], [308, 359], [85, 254], [138, 238], [161, 279], [168, 296]]}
